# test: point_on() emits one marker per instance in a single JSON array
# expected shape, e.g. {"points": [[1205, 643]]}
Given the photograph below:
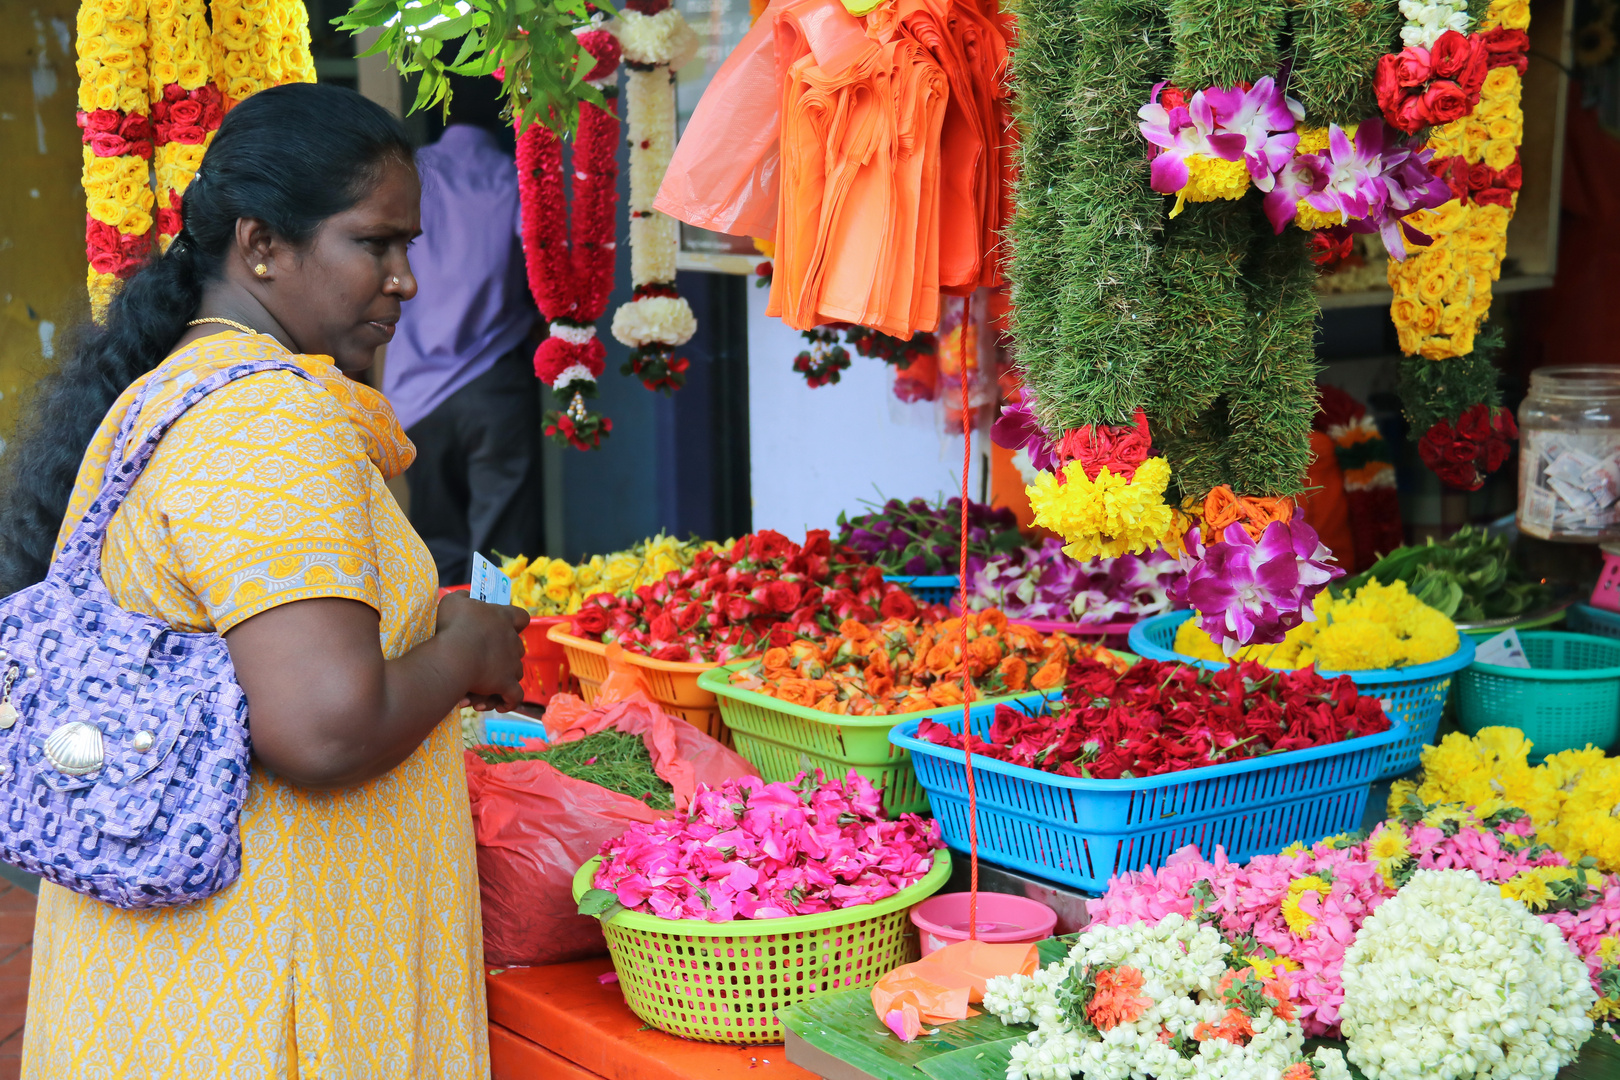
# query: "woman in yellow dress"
{"points": [[350, 947]]}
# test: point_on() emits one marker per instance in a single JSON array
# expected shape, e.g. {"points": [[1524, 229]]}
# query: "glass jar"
{"points": [[1569, 458]]}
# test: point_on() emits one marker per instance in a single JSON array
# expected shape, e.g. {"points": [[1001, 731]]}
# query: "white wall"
{"points": [[816, 452]]}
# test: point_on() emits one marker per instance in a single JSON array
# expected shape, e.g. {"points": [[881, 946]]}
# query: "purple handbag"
{"points": [[123, 742]]}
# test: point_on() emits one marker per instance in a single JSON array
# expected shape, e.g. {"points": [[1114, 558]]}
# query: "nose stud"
{"points": [[396, 283]]}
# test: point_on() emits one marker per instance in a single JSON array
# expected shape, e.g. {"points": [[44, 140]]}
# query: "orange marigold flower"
{"points": [[1117, 999], [1234, 1028]]}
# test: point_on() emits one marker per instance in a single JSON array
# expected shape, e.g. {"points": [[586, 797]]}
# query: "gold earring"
{"points": [[261, 269]]}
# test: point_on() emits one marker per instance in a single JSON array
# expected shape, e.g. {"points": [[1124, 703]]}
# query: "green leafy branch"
{"points": [[531, 42]]}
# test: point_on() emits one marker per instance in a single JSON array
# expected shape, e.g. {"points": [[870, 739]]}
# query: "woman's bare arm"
{"points": [[326, 710]]}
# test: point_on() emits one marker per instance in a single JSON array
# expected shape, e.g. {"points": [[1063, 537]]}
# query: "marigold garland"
{"points": [[572, 276], [117, 136], [656, 40], [1108, 514], [148, 108]]}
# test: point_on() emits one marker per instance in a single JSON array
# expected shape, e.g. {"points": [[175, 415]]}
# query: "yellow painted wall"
{"points": [[41, 203]]}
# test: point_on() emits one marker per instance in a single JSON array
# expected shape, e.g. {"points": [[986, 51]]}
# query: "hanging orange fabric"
{"points": [[857, 233]]}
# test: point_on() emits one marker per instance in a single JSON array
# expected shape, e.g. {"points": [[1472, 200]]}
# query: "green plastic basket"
{"points": [[782, 740], [724, 982], [1567, 698]]}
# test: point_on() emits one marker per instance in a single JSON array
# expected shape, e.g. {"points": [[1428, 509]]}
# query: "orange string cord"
{"points": [[967, 689]]}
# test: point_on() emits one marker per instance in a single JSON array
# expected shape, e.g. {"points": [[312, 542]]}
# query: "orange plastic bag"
{"points": [[938, 988], [535, 827], [723, 175]]}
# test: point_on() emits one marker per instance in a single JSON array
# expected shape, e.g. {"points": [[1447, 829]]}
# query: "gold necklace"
{"points": [[223, 322]]}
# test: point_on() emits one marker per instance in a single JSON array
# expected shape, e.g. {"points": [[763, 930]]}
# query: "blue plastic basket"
{"points": [[504, 731], [929, 588], [1586, 619], [1083, 832], [1416, 694]]}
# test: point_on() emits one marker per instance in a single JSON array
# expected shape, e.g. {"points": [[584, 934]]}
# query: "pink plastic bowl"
{"points": [[1003, 920]]}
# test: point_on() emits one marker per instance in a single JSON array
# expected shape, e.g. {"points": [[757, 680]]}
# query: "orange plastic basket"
{"points": [[545, 663], [671, 683]]}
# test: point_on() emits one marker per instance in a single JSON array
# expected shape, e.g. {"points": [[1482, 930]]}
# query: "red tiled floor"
{"points": [[16, 935]]}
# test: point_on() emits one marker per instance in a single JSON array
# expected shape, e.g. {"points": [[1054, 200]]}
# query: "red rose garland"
{"points": [[571, 279], [1462, 454]]}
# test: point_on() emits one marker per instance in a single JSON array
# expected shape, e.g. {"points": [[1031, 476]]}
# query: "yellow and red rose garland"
{"points": [[113, 115], [1443, 290], [154, 83]]}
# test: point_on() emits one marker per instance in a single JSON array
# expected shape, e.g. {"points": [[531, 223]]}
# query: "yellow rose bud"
{"points": [[1435, 284], [1403, 312], [1462, 343], [1453, 316], [236, 65], [1499, 153], [114, 9], [135, 77], [136, 223], [132, 99], [101, 97], [1476, 133], [257, 72], [1428, 319], [164, 73], [192, 74], [109, 211]]}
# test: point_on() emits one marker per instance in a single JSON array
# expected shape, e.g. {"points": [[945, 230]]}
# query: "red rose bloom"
{"points": [[678, 653], [590, 621], [98, 120], [1494, 196], [898, 604], [1445, 101], [1449, 55], [1410, 116], [1475, 423], [769, 546], [186, 112], [1472, 76], [782, 597], [689, 616], [1504, 47], [1480, 176], [1413, 66], [1512, 177], [663, 628], [1385, 83]]}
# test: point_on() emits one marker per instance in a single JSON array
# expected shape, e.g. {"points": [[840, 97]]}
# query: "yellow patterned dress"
{"points": [[350, 948]]}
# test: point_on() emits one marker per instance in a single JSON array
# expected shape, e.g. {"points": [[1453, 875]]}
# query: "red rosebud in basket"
{"points": [[769, 546], [690, 616], [782, 597], [590, 621], [678, 653], [663, 628]]}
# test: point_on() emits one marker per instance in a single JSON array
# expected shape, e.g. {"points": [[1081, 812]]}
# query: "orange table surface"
{"points": [[559, 1022]]}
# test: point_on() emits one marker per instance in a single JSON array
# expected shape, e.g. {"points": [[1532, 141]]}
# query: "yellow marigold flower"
{"points": [[1268, 967], [1310, 218], [1609, 949], [1106, 517], [1298, 919], [1209, 179], [1399, 793], [1389, 843], [1529, 889]]}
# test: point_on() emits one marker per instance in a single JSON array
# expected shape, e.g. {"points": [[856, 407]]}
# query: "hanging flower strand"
{"points": [[571, 279], [656, 40]]}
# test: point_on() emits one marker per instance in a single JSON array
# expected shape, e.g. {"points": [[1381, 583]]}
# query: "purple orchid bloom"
{"points": [[1017, 428], [1180, 133], [1251, 592], [1266, 119], [1350, 172], [1298, 178], [1409, 186]]}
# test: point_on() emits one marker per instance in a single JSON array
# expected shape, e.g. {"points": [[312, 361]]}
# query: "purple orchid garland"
{"points": [[1250, 592]]}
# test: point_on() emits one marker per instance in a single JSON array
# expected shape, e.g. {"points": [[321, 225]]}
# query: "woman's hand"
{"points": [[493, 651], [327, 710]]}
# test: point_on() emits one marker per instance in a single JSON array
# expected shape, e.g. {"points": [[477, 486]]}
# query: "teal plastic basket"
{"points": [[1568, 697], [929, 588], [508, 732], [1586, 619], [782, 740], [1416, 694], [1083, 832]]}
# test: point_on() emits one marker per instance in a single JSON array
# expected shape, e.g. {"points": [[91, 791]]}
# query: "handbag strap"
{"points": [[82, 551]]}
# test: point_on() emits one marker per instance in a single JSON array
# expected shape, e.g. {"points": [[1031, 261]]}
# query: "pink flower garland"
{"points": [[571, 281], [1247, 902]]}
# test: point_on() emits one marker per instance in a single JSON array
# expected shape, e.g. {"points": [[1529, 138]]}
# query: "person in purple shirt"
{"points": [[459, 371]]}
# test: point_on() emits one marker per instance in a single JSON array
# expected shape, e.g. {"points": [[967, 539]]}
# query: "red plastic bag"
{"points": [[535, 826]]}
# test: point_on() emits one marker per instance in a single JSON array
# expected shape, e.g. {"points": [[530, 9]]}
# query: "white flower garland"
{"points": [[574, 335], [1449, 980], [657, 320], [1425, 22], [571, 374], [1181, 964]]}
